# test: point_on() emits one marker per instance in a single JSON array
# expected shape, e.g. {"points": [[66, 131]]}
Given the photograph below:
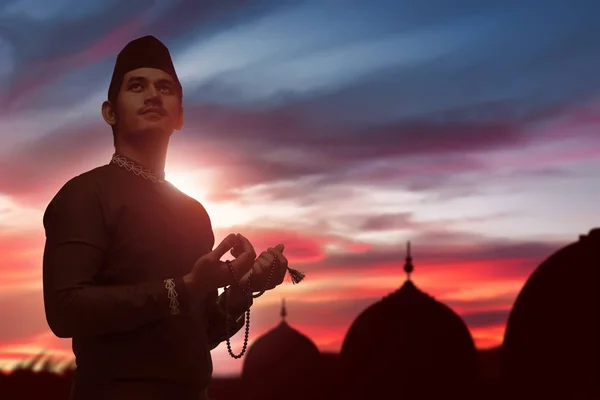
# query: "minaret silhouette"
{"points": [[408, 265], [283, 310]]}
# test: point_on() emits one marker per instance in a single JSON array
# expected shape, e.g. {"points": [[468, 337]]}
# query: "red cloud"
{"points": [[478, 281], [20, 256], [299, 247]]}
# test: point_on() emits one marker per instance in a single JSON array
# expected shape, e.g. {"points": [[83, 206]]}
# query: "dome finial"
{"points": [[283, 310], [408, 266]]}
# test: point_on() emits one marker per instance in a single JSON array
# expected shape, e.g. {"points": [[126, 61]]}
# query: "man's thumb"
{"points": [[280, 247]]}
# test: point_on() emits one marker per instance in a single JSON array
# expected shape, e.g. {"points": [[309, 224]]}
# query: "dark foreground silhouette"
{"points": [[410, 346]]}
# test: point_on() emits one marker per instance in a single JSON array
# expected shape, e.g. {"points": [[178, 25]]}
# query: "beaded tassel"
{"points": [[296, 275]]}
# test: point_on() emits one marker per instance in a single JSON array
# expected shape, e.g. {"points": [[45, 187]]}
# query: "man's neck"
{"points": [[153, 158]]}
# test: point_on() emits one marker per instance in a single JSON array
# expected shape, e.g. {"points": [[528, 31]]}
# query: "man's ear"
{"points": [[108, 113], [179, 124]]}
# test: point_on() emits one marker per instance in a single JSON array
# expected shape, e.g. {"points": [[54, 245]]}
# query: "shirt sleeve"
{"points": [[77, 237], [216, 321]]}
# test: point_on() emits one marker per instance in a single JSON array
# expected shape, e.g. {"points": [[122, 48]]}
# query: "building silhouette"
{"points": [[551, 342], [411, 345], [289, 358]]}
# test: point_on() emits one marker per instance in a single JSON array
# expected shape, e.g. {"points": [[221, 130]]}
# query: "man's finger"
{"points": [[223, 247], [276, 251], [283, 260], [222, 274], [236, 251], [283, 263], [245, 244], [267, 256]]}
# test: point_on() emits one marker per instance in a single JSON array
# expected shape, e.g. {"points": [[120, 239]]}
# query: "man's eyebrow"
{"points": [[145, 80], [165, 81], [137, 78]]}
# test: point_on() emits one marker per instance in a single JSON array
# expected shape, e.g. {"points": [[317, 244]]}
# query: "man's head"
{"points": [[144, 96]]}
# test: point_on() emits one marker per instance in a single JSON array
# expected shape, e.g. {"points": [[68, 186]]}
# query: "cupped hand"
{"points": [[210, 273], [265, 274]]}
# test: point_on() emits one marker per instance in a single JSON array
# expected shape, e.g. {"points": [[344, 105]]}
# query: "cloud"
{"points": [[412, 162], [421, 129], [263, 146], [17, 246], [333, 294], [384, 222], [35, 172], [64, 42], [487, 318], [472, 255], [25, 310], [52, 52], [470, 306], [299, 247]]}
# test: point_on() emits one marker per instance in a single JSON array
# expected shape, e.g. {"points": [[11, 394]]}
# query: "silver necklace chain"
{"points": [[137, 169]]}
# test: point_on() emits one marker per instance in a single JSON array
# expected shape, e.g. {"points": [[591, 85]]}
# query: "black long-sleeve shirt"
{"points": [[113, 242]]}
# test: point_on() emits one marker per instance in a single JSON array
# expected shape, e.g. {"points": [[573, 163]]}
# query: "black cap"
{"points": [[144, 52]]}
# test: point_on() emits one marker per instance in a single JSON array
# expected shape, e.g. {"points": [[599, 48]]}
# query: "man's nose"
{"points": [[153, 95]]}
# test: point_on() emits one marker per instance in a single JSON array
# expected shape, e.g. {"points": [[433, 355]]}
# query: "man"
{"points": [[129, 272]]}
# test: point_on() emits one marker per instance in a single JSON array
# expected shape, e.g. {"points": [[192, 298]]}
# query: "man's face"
{"points": [[148, 104]]}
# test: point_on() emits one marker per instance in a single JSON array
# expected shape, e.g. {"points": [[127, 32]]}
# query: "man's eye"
{"points": [[166, 89], [135, 86]]}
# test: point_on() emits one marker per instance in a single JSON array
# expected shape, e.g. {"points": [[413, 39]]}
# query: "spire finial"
{"points": [[283, 310], [408, 265]]}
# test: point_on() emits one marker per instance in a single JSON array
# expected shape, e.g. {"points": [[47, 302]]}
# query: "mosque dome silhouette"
{"points": [[409, 343], [551, 340], [283, 354]]}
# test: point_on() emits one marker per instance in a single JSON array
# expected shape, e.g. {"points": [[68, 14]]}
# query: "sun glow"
{"points": [[196, 184]]}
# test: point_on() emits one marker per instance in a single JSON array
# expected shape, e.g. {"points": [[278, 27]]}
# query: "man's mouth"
{"points": [[157, 111]]}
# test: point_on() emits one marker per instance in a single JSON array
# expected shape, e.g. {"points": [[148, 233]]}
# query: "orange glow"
{"points": [[336, 290], [490, 336]]}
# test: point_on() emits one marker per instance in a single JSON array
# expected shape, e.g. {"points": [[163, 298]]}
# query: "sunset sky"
{"points": [[339, 128]]}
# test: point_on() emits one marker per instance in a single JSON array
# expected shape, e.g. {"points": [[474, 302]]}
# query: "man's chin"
{"points": [[149, 133]]}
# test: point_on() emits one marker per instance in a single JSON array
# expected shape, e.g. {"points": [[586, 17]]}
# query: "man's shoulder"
{"points": [[96, 173], [77, 192], [188, 200], [85, 183], [88, 179]]}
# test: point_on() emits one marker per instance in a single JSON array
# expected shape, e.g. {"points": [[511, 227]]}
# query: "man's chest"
{"points": [[154, 238]]}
